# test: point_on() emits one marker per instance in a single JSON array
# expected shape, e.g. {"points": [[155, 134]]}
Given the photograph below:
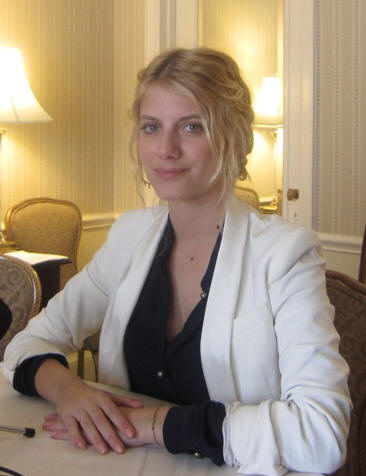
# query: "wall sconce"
{"points": [[17, 101]]}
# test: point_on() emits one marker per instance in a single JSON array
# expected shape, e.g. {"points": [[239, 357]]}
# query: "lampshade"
{"points": [[268, 103], [17, 101]]}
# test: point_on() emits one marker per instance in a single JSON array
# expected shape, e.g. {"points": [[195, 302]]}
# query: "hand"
{"points": [[92, 416], [141, 418]]}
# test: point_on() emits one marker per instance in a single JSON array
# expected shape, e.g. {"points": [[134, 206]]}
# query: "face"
{"points": [[173, 146]]}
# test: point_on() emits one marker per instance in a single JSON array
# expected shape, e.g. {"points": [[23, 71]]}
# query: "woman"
{"points": [[204, 302]]}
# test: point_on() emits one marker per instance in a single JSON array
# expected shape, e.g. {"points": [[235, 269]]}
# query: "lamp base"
{"points": [[6, 245]]}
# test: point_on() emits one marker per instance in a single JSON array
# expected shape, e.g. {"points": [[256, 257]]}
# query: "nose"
{"points": [[169, 147]]}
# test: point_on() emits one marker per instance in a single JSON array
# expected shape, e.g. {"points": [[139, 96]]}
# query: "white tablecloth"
{"points": [[43, 456]]}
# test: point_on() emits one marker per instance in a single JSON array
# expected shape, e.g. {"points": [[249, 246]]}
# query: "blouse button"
{"points": [[197, 455], [203, 295], [160, 373]]}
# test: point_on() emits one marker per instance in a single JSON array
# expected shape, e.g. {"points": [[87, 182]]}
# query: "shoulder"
{"points": [[134, 223], [275, 242], [261, 228], [113, 259]]}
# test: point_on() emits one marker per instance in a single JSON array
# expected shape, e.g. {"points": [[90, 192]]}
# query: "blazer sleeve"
{"points": [[79, 309], [306, 428]]}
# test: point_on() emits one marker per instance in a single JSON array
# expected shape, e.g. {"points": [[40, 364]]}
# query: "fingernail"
{"points": [[118, 449], [102, 449]]}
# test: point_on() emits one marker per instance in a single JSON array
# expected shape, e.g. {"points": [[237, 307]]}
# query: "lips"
{"points": [[169, 174]]}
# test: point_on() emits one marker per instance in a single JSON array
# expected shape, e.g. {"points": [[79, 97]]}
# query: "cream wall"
{"points": [[81, 59]]}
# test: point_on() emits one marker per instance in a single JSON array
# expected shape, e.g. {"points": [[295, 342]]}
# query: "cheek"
{"points": [[208, 158], [143, 150]]}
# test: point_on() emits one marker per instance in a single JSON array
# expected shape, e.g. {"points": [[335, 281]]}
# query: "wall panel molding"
{"points": [[93, 221], [341, 243]]}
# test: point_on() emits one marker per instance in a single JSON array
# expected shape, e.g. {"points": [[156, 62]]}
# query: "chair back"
{"points": [[46, 225], [248, 195], [348, 296], [20, 290]]}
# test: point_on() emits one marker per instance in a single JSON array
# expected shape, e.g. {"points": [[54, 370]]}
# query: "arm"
{"points": [[72, 315], [305, 427], [79, 309]]}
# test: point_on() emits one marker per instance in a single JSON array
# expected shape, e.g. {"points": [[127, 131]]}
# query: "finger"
{"points": [[106, 430], [126, 401], [94, 427], [52, 416], [117, 417], [51, 425], [61, 435], [52, 420], [73, 427]]}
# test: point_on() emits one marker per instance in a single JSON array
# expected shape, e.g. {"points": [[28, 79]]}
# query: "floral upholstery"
{"points": [[46, 225], [20, 289], [348, 296]]}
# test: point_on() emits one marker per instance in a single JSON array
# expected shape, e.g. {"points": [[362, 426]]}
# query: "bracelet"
{"points": [[153, 424]]}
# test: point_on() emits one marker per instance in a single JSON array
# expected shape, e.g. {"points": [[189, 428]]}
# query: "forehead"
{"points": [[160, 100]]}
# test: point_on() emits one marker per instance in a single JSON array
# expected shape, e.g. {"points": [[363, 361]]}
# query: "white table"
{"points": [[43, 456]]}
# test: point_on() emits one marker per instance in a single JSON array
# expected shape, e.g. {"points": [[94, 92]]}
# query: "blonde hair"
{"points": [[212, 79]]}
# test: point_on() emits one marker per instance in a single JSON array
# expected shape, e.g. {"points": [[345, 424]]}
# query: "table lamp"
{"points": [[268, 103], [17, 102]]}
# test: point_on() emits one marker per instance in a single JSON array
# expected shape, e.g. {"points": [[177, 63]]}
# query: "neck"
{"points": [[196, 222]]}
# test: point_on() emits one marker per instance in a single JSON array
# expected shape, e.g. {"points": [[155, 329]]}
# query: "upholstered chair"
{"points": [[20, 290], [248, 195], [348, 297], [46, 225]]}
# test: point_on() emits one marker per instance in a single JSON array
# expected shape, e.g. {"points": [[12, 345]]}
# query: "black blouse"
{"points": [[172, 370]]}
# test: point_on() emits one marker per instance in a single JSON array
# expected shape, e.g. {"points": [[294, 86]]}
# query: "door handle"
{"points": [[293, 194]]}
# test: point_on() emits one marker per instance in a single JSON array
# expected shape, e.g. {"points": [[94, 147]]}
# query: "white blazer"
{"points": [[269, 349]]}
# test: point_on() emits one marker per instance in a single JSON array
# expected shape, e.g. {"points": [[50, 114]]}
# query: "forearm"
{"points": [[52, 378]]}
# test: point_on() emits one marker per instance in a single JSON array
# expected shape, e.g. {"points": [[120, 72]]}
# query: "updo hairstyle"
{"points": [[212, 79]]}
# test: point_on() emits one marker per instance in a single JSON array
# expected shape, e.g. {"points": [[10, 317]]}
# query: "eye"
{"points": [[149, 128], [193, 127]]}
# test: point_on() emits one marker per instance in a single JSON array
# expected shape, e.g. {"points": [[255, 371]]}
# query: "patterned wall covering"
{"points": [[129, 57], [81, 58], [340, 119]]}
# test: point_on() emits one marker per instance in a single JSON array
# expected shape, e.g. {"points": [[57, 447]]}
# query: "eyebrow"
{"points": [[183, 118]]}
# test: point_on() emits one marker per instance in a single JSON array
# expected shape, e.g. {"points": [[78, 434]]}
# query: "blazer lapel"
{"points": [[126, 298], [221, 306]]}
